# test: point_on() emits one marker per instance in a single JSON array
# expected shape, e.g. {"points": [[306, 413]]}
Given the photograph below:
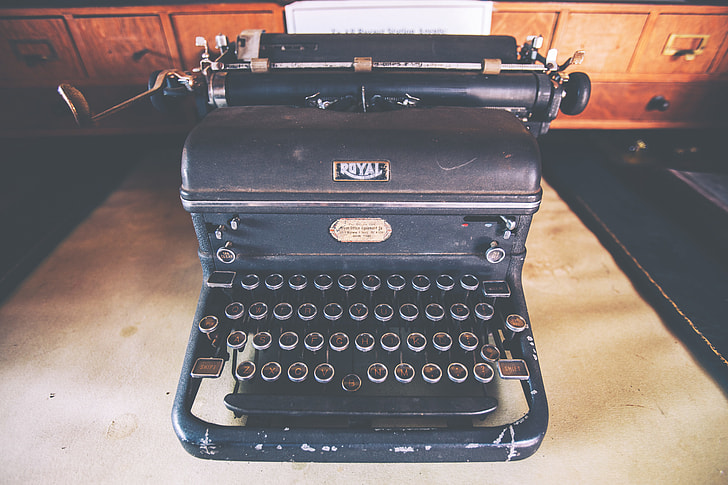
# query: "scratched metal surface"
{"points": [[92, 342]]}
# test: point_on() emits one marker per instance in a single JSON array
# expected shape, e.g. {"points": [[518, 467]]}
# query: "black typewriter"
{"points": [[361, 204]]}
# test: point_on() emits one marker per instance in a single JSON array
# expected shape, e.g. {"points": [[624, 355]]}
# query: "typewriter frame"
{"points": [[512, 441], [516, 440]]}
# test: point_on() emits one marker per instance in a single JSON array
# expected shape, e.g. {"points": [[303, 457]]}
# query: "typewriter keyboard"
{"points": [[359, 344]]}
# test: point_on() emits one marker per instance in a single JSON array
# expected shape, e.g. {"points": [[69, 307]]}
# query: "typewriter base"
{"points": [[305, 439]]}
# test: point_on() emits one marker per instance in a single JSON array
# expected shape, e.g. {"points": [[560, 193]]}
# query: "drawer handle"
{"points": [[34, 51], [658, 103], [686, 46]]}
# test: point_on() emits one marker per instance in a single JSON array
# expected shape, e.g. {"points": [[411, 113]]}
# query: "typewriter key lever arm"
{"points": [[79, 106]]}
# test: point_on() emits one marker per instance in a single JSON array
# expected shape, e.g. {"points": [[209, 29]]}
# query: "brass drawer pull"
{"points": [[685, 45]]}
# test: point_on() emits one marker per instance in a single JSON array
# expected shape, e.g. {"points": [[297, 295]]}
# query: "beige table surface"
{"points": [[91, 346]]}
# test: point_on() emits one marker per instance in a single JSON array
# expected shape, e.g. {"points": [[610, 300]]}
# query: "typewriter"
{"points": [[361, 204]]}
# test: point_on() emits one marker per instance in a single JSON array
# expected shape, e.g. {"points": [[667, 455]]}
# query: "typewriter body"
{"points": [[362, 205]]}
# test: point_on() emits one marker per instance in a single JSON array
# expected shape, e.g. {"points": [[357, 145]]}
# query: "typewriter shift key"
{"points": [[513, 369], [207, 367]]}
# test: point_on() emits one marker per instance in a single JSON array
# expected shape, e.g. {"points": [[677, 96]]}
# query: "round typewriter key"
{"points": [[459, 312], [271, 371], [377, 373], [274, 282], [323, 282], [297, 282], [404, 373], [515, 323], [364, 342], [484, 311], [236, 340], [297, 372], [445, 282], [234, 310], [483, 372], [490, 352], [469, 282], [262, 340], [358, 312], [351, 382], [421, 283], [416, 342], [314, 341], [390, 341], [442, 341], [347, 282], [409, 312], [383, 312], [307, 311], [288, 340], [457, 372], [283, 311], [258, 310], [468, 341], [434, 312], [333, 311], [371, 282], [323, 373], [208, 324], [495, 254], [396, 282], [250, 282], [245, 370], [339, 341], [431, 373]]}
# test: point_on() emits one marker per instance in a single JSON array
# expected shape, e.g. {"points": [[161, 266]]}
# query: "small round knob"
{"points": [[577, 93], [658, 103]]}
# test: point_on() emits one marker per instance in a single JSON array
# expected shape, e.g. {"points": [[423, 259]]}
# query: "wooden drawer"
{"points": [[675, 37], [628, 105], [189, 26], [122, 48], [522, 24], [34, 50], [609, 39]]}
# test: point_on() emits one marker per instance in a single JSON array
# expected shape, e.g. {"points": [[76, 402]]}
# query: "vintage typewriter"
{"points": [[361, 204]]}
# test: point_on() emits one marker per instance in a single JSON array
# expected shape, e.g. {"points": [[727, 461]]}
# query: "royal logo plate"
{"points": [[361, 171]]}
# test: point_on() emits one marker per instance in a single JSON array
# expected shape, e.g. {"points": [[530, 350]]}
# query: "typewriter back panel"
{"points": [[309, 188], [253, 157]]}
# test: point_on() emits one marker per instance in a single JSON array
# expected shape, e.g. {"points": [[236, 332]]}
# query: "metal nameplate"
{"points": [[360, 230], [361, 171]]}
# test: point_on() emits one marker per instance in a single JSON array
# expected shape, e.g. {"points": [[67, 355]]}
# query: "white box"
{"points": [[389, 17]]}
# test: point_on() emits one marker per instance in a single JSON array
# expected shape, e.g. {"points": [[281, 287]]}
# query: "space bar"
{"points": [[371, 406]]}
